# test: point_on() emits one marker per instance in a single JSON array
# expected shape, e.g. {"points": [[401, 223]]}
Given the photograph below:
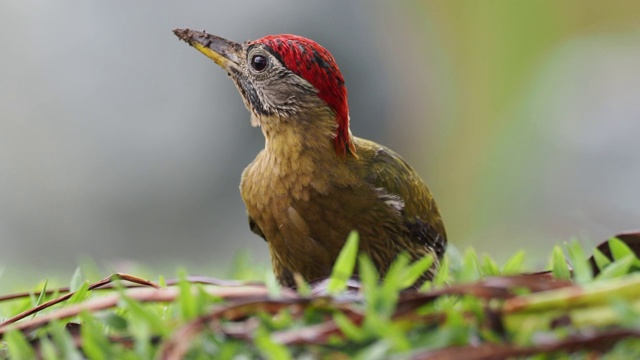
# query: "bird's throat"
{"points": [[299, 157], [290, 139]]}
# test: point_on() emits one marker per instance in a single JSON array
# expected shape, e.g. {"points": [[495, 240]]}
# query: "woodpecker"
{"points": [[313, 183]]}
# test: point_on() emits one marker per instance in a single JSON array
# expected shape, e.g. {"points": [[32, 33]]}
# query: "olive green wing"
{"points": [[391, 174]]}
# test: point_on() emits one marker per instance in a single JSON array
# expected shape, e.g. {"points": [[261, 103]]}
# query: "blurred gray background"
{"points": [[121, 143]]}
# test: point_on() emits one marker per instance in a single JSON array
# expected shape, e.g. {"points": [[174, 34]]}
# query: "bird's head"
{"points": [[286, 79]]}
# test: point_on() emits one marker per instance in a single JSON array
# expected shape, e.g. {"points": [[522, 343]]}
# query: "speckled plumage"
{"points": [[313, 183]]}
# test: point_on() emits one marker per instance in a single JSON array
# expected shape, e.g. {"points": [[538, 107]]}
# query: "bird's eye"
{"points": [[259, 62]]}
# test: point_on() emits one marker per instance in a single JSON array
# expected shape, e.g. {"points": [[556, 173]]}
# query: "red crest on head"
{"points": [[312, 62]]}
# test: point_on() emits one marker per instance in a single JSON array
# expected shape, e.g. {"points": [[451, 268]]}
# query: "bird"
{"points": [[314, 182]]}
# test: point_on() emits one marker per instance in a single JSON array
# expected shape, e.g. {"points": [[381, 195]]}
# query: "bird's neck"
{"points": [[299, 156], [299, 159], [291, 139]]}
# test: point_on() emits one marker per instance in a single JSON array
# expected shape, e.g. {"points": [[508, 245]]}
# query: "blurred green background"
{"points": [[120, 143]]}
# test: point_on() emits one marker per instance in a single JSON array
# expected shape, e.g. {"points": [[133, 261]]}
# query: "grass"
{"points": [[474, 308]]}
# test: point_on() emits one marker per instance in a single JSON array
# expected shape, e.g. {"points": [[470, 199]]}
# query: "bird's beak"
{"points": [[223, 52]]}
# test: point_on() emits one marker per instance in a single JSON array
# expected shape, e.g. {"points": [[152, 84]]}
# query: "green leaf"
{"points": [[48, 350], [442, 275], [94, 344], [114, 321], [515, 264], [348, 328], [617, 268], [426, 286], [77, 280], [80, 294], [63, 341], [144, 318], [455, 257], [625, 312], [302, 286], [272, 284], [379, 350], [582, 272], [394, 276], [619, 249], [18, 346], [344, 266], [368, 273], [416, 270], [559, 266], [470, 270], [369, 276], [391, 286], [186, 300], [393, 333], [489, 267], [269, 348], [42, 295], [601, 259]]}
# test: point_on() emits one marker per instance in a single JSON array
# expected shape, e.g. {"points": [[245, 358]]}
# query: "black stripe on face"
{"points": [[248, 92]]}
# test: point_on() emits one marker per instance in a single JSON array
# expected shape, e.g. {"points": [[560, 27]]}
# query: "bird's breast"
{"points": [[274, 188]]}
